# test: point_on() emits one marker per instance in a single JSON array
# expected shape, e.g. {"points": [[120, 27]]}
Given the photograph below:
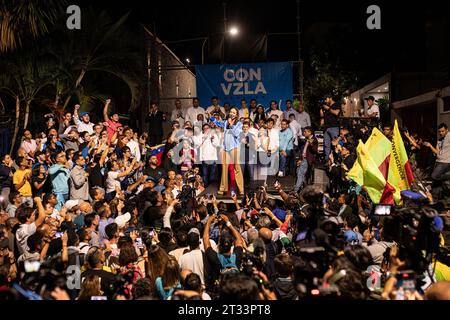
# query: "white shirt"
{"points": [[112, 181], [374, 109], [192, 113], [208, 147], [175, 116], [82, 126], [193, 260], [177, 253], [274, 139], [254, 132], [211, 109], [296, 130], [280, 115], [242, 113], [22, 234], [135, 151]]}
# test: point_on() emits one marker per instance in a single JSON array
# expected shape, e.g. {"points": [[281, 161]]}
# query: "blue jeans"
{"points": [[283, 160], [62, 198], [329, 135], [209, 172], [301, 173]]}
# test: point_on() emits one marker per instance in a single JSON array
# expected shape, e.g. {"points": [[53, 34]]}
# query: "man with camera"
{"points": [[329, 113]]}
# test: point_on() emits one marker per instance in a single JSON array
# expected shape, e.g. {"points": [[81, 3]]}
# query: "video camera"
{"points": [[415, 230]]}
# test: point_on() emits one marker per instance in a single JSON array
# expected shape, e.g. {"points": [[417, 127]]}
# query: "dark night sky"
{"points": [[338, 26]]}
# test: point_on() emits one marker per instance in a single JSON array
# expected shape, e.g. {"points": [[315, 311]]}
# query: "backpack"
{"points": [[228, 264]]}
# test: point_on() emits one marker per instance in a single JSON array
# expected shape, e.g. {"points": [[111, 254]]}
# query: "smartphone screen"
{"points": [[382, 210], [139, 243], [406, 284], [99, 298]]}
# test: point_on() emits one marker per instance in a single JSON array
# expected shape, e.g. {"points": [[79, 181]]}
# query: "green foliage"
{"points": [[21, 20]]}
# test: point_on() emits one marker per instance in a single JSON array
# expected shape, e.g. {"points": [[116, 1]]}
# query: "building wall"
{"points": [[168, 79]]}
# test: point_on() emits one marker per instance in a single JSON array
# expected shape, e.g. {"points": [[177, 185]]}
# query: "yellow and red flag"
{"points": [[379, 190], [400, 174], [379, 148]]}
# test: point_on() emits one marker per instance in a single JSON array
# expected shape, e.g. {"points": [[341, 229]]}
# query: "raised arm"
{"points": [[105, 110], [41, 212], [76, 118], [238, 242], [128, 170], [206, 242], [273, 217]]}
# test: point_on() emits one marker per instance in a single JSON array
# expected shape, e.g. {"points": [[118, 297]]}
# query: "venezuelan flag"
{"points": [[158, 152]]}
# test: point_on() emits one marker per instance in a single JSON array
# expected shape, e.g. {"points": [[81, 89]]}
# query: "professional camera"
{"points": [[186, 196], [40, 279], [416, 230]]}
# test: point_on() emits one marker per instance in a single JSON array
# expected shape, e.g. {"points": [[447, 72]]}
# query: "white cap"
{"points": [[71, 203], [122, 220]]}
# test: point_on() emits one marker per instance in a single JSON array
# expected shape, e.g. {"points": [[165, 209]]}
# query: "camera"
{"points": [[416, 230]]}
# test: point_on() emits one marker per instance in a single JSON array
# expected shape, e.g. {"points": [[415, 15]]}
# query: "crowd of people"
{"points": [[89, 211]]}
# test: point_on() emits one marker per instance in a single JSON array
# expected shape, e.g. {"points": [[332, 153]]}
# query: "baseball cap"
{"points": [[69, 204], [370, 98], [194, 230], [83, 113], [351, 236], [122, 220]]}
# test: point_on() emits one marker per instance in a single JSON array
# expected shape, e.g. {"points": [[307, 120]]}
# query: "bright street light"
{"points": [[233, 31], [188, 60]]}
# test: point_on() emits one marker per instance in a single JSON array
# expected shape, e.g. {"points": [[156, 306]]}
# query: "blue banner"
{"points": [[233, 82]]}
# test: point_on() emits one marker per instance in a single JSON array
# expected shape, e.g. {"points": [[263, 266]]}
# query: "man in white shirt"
{"points": [[216, 108], [178, 113], [274, 144], [84, 124], [207, 142], [133, 145], [28, 223], [296, 129], [193, 112], [193, 260], [275, 111], [372, 109]]}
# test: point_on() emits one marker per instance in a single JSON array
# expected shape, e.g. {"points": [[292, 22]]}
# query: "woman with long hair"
{"points": [[169, 281], [157, 261], [90, 288], [129, 267], [230, 150], [260, 114]]}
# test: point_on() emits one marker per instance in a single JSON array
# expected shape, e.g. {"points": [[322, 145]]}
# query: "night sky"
{"points": [[338, 27]]}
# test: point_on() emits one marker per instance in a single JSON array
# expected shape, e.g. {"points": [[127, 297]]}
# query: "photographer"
{"points": [[329, 114], [226, 260]]}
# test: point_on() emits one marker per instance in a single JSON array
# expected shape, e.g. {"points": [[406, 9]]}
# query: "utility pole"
{"points": [[299, 48], [224, 4]]}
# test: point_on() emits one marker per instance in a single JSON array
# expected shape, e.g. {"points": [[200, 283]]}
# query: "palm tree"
{"points": [[100, 47], [23, 77], [27, 19]]}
